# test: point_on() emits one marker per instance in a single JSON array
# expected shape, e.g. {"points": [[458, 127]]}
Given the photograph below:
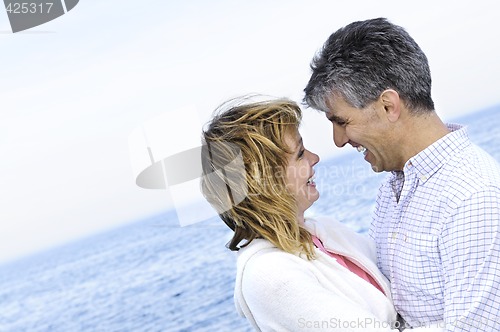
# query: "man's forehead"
{"points": [[332, 111], [335, 102], [338, 109]]}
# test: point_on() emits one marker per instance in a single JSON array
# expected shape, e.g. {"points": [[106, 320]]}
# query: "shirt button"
{"points": [[394, 235]]}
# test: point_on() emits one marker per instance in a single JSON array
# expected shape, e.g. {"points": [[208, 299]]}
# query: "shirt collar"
{"points": [[430, 160]]}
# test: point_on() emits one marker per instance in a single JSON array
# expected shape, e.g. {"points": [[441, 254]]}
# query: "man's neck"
{"points": [[421, 131]]}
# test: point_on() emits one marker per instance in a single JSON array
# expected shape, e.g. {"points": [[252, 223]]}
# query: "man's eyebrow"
{"points": [[334, 118]]}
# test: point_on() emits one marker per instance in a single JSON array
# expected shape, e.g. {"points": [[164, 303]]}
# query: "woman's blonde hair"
{"points": [[244, 159]]}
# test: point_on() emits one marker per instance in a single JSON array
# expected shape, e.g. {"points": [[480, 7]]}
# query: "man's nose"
{"points": [[339, 135]]}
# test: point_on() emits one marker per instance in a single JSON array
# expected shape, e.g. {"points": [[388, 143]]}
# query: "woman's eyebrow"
{"points": [[299, 144]]}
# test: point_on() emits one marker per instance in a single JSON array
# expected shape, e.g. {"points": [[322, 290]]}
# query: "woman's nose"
{"points": [[314, 158]]}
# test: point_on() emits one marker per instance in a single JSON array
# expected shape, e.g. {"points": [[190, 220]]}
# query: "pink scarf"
{"points": [[345, 262]]}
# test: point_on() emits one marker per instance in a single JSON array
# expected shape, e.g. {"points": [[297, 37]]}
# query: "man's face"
{"points": [[367, 130]]}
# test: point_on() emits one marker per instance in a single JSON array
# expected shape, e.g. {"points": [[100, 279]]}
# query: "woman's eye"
{"points": [[301, 153]]}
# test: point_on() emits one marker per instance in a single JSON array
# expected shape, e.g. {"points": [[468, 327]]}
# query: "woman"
{"points": [[293, 274]]}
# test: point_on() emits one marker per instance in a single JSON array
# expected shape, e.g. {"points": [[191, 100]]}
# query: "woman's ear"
{"points": [[392, 104]]}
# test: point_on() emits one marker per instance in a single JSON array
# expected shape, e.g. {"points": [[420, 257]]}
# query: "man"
{"points": [[436, 221]]}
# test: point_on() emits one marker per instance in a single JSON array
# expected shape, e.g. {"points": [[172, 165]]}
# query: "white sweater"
{"points": [[278, 291]]}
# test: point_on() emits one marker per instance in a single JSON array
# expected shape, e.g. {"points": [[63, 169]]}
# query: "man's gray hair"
{"points": [[361, 60]]}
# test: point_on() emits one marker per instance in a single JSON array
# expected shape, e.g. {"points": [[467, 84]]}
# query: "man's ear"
{"points": [[392, 104]]}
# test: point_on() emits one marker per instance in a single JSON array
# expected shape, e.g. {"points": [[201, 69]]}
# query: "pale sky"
{"points": [[74, 89]]}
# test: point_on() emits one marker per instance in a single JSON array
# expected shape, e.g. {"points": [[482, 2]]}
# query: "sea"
{"points": [[154, 275]]}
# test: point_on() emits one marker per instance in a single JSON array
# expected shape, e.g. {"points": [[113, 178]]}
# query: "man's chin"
{"points": [[376, 169]]}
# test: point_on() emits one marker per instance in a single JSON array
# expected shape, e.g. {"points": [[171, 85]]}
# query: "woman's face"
{"points": [[300, 173]]}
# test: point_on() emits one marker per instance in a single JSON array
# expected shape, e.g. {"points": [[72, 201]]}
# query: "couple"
{"points": [[432, 260]]}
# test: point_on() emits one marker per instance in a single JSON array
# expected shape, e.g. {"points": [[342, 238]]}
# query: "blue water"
{"points": [[154, 275]]}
